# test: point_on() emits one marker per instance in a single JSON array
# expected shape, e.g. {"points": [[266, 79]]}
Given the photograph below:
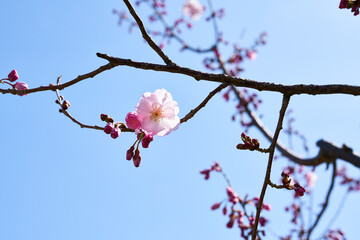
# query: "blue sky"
{"points": [[59, 182]]}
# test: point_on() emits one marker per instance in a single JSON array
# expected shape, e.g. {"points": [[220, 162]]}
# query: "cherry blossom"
{"points": [[193, 9], [158, 113], [311, 178]]}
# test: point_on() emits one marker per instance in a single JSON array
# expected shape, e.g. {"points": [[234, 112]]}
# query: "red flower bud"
{"points": [[13, 76], [215, 206]]}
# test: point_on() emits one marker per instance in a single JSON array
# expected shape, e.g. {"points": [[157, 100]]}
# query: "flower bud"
{"points": [[65, 105], [115, 132], [146, 140], [137, 158], [21, 86], [130, 153], [104, 117], [215, 206], [132, 120], [13, 76], [108, 128]]}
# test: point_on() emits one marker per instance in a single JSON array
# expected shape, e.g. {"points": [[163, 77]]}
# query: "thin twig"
{"points": [[337, 213], [285, 103], [203, 103], [325, 203], [146, 36], [67, 114]]}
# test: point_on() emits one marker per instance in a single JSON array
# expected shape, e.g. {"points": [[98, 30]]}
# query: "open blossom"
{"points": [[158, 113], [193, 9], [252, 55], [311, 178]]}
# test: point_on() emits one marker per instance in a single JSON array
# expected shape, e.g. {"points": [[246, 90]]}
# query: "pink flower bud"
{"points": [[224, 210], [215, 206], [115, 132], [252, 55], [130, 153], [108, 128], [262, 221], [206, 173], [147, 140], [104, 117], [137, 158], [132, 120], [21, 86], [13, 76]]}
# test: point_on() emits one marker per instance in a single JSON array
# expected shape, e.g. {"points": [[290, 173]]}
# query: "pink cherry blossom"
{"points": [[193, 9], [311, 178], [158, 113], [252, 55]]}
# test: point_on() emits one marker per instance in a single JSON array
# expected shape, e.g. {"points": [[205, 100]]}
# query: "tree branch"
{"points": [[285, 103], [325, 203], [146, 36], [203, 103]]}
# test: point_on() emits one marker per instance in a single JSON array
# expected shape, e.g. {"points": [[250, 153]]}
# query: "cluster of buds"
{"points": [[12, 77], [64, 104], [145, 140], [230, 207], [286, 181], [250, 144], [353, 184], [206, 172], [239, 216], [335, 235], [114, 129], [354, 5], [296, 210]]}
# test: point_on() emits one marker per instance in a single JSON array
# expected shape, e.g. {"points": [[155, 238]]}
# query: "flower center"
{"points": [[156, 114]]}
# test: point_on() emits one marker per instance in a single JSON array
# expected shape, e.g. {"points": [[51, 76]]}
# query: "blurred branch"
{"points": [[326, 201], [285, 103]]}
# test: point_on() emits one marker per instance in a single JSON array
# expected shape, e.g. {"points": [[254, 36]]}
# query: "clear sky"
{"points": [[59, 182]]}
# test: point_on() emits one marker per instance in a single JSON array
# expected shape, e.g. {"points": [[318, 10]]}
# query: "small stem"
{"points": [[203, 103], [326, 201], [285, 103], [146, 36]]}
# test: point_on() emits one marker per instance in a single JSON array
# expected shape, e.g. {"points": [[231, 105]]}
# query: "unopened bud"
{"points": [[104, 117], [130, 153]]}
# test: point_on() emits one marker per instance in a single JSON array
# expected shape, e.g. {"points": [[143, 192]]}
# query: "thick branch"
{"points": [[285, 103], [239, 82]]}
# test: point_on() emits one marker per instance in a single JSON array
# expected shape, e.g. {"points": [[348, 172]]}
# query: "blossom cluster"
{"points": [[354, 5], [155, 114], [353, 184], [248, 143], [287, 183], [12, 77], [235, 207]]}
